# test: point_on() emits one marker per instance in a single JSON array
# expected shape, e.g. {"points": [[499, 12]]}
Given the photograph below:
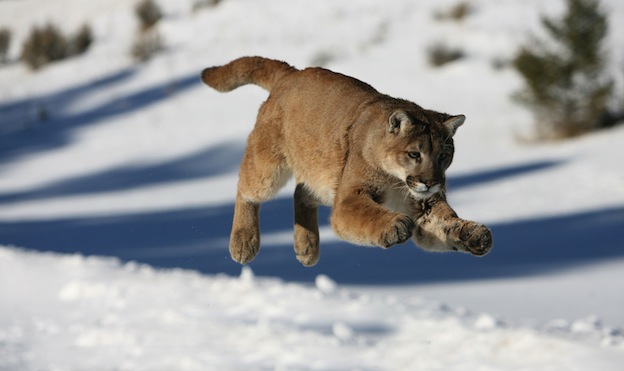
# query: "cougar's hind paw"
{"points": [[244, 245]]}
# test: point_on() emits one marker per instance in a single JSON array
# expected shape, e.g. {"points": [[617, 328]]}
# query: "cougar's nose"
{"points": [[429, 182]]}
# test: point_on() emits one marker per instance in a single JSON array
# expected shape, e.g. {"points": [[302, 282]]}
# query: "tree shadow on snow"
{"points": [[197, 238], [47, 121], [222, 158]]}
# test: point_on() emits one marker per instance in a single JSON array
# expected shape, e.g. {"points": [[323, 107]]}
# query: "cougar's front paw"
{"points": [[476, 238], [399, 231], [244, 245]]}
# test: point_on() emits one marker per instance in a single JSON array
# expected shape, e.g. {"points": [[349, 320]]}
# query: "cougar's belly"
{"points": [[323, 193], [322, 184], [315, 158], [319, 174]]}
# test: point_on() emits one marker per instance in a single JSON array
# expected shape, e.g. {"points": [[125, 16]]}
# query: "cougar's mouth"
{"points": [[421, 190]]}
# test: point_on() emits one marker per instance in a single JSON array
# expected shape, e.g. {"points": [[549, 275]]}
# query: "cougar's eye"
{"points": [[413, 154]]}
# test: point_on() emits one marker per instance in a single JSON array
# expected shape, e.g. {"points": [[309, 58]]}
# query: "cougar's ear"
{"points": [[398, 122], [453, 122]]}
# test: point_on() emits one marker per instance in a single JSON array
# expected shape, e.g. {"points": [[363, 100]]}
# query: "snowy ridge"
{"points": [[96, 313]]}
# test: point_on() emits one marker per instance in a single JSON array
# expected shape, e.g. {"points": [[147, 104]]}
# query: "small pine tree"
{"points": [[5, 42], [566, 85], [44, 45], [82, 40]]}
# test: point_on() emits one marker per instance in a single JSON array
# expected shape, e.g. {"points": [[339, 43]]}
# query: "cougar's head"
{"points": [[418, 148]]}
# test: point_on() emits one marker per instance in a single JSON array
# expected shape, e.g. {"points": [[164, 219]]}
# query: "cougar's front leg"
{"points": [[438, 228], [306, 227], [357, 218]]}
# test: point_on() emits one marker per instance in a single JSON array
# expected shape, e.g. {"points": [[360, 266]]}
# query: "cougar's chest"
{"points": [[396, 200]]}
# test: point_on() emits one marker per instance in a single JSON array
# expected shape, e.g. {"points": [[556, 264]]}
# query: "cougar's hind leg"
{"points": [[306, 227], [245, 235], [263, 172]]}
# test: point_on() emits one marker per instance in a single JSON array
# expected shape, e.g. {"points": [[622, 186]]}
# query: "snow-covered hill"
{"points": [[139, 162]]}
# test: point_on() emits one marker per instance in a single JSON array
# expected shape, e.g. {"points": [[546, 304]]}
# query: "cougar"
{"points": [[378, 161]]}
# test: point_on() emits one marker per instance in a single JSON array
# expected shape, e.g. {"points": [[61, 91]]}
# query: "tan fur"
{"points": [[377, 160]]}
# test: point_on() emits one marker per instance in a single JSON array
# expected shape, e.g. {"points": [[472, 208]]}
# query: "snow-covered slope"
{"points": [[96, 314], [140, 162]]}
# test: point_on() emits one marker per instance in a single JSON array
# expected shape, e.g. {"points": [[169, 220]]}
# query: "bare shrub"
{"points": [[441, 54], [147, 41], [456, 13], [149, 13], [201, 4], [146, 44]]}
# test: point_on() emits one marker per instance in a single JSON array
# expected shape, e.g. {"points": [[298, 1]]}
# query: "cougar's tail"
{"points": [[246, 70]]}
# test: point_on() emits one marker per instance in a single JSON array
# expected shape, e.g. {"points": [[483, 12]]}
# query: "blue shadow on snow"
{"points": [[219, 159], [197, 238], [57, 128]]}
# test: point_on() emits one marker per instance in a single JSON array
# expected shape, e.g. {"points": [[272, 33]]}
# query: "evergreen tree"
{"points": [[44, 45], [566, 84]]}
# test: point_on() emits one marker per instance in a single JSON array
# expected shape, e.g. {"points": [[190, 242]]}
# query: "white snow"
{"points": [[137, 165], [68, 312]]}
